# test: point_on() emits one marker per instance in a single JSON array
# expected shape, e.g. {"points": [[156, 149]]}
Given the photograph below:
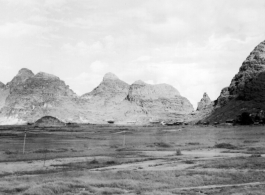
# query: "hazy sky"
{"points": [[196, 46]]}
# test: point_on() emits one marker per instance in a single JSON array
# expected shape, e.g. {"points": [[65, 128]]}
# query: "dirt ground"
{"points": [[109, 159]]}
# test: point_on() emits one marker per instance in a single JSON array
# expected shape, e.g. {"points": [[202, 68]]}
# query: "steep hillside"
{"points": [[246, 91]]}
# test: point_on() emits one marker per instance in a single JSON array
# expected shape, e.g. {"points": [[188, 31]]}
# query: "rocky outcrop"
{"points": [[204, 103], [49, 121], [205, 107], [158, 98], [246, 91]]}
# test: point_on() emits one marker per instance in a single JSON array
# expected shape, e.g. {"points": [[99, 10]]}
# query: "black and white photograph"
{"points": [[132, 97]]}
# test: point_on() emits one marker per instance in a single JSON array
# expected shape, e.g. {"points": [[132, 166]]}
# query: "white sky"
{"points": [[196, 46]]}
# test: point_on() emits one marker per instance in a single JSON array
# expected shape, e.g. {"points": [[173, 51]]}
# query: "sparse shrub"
{"points": [[178, 152], [8, 152], [193, 143], [252, 149], [111, 162], [162, 144], [255, 155], [42, 151], [225, 146], [189, 162], [94, 161]]}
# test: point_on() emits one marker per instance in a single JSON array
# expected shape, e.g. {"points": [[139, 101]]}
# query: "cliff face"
{"points": [[246, 91]]}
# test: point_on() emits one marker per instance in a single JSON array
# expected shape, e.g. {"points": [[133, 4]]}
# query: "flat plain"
{"points": [[110, 159]]}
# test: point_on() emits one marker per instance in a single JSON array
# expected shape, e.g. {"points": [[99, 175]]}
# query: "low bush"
{"points": [[178, 152], [163, 145]]}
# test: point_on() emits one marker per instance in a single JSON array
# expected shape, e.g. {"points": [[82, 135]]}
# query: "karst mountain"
{"points": [[246, 93], [28, 97]]}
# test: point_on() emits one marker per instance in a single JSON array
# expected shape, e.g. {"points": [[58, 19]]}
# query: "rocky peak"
{"points": [[110, 76], [257, 56], [110, 88], [206, 97], [205, 102], [21, 77], [251, 67], [24, 72]]}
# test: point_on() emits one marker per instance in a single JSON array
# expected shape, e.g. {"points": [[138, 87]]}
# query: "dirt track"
{"points": [[221, 186], [163, 163]]}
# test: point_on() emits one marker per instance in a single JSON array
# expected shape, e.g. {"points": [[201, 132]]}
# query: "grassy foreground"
{"points": [[106, 159]]}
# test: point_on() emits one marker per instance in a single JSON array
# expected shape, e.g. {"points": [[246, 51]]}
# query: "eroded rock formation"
{"points": [[204, 103]]}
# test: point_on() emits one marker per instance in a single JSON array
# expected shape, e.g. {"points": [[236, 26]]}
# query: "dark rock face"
{"points": [[204, 103], [255, 90]]}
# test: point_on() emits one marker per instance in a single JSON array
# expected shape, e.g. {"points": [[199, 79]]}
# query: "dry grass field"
{"points": [[109, 159]]}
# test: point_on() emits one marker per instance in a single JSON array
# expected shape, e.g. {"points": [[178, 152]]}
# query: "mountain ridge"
{"points": [[28, 97]]}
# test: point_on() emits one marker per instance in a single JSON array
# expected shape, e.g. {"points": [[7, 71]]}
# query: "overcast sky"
{"points": [[196, 46]]}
